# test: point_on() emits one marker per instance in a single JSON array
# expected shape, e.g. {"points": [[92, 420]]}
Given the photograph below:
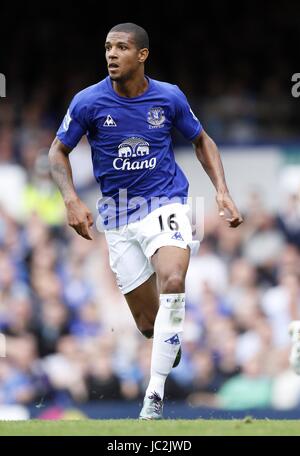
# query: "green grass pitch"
{"points": [[245, 427]]}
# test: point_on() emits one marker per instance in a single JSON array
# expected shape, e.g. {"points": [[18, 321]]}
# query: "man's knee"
{"points": [[145, 326], [172, 283], [148, 333]]}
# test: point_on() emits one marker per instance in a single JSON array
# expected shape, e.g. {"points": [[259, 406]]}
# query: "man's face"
{"points": [[122, 55]]}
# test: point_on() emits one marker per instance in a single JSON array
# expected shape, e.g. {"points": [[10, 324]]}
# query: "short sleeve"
{"points": [[185, 120], [74, 124]]}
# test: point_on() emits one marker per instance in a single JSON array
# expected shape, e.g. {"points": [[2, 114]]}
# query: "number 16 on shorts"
{"points": [[169, 222]]}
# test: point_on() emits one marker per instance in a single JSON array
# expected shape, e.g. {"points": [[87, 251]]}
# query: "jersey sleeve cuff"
{"points": [[66, 142], [194, 136]]}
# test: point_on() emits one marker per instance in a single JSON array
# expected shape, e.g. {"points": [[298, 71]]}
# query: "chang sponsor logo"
{"points": [[131, 153]]}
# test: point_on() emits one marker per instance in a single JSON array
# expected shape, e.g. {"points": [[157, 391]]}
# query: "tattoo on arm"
{"points": [[62, 176]]}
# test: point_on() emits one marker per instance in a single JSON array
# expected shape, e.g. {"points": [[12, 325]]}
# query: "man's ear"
{"points": [[143, 54]]}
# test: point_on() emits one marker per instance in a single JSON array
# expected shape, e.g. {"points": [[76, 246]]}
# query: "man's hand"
{"points": [[79, 217], [224, 202]]}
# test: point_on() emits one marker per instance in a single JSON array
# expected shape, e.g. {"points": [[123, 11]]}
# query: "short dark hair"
{"points": [[141, 37]]}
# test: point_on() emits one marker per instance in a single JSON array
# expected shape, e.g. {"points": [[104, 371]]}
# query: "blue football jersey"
{"points": [[131, 146]]}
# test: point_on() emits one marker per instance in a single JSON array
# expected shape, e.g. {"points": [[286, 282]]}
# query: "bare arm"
{"points": [[209, 157], [61, 169], [79, 216]]}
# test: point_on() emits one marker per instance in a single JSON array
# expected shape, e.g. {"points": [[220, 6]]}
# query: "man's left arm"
{"points": [[209, 157]]}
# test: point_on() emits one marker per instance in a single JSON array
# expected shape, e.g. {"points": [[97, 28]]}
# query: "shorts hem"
{"points": [[152, 249], [137, 283]]}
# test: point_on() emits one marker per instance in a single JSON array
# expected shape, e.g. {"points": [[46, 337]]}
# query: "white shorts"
{"points": [[132, 246]]}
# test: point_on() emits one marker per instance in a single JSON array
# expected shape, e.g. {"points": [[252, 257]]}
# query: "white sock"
{"points": [[168, 328]]}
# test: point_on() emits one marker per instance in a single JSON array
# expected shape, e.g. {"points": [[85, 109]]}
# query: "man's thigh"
{"points": [[127, 260], [169, 261]]}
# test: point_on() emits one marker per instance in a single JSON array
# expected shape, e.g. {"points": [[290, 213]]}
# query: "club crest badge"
{"points": [[156, 117]]}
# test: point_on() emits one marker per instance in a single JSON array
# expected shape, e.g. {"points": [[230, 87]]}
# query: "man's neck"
{"points": [[131, 88]]}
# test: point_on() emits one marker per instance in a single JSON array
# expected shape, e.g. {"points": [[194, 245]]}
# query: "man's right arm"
{"points": [[79, 216]]}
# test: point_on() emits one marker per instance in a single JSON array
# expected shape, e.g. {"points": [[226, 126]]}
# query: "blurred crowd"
{"points": [[234, 66], [70, 336]]}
